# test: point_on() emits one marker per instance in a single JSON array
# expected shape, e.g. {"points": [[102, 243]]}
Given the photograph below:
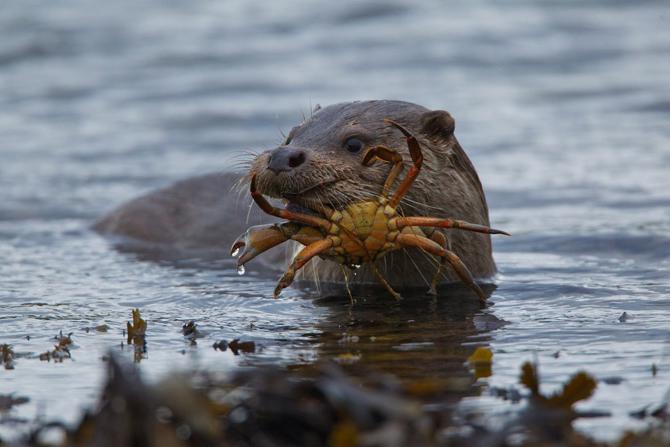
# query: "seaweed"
{"points": [[319, 406], [481, 360], [273, 406], [136, 336], [61, 349], [7, 356], [580, 387], [236, 346], [137, 329]]}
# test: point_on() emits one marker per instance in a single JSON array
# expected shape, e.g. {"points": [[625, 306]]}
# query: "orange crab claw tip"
{"points": [[494, 231]]}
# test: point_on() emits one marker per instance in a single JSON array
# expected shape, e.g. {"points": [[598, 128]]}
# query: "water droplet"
{"points": [[236, 252], [240, 270]]}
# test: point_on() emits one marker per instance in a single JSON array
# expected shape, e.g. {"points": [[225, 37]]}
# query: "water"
{"points": [[562, 106]]}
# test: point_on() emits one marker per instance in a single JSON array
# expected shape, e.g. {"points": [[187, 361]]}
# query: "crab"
{"points": [[362, 232]]}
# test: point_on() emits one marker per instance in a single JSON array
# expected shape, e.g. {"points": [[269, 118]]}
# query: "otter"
{"points": [[320, 162]]}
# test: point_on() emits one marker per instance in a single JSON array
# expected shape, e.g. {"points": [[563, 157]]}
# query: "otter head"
{"points": [[321, 159]]}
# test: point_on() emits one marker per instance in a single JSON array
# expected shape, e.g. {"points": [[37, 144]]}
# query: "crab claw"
{"points": [[255, 241], [239, 249]]}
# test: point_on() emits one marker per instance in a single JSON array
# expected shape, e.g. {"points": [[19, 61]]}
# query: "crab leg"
{"points": [[382, 280], [418, 221], [441, 239], [300, 260], [285, 214], [417, 158], [260, 238], [389, 155], [346, 284], [432, 247], [436, 235]]}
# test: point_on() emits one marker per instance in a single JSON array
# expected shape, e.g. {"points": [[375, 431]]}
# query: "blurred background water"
{"points": [[562, 106]]}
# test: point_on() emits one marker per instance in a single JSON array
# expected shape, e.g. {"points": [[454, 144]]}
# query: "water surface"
{"points": [[562, 106]]}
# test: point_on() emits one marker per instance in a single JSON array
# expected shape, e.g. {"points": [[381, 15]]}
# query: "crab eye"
{"points": [[353, 145]]}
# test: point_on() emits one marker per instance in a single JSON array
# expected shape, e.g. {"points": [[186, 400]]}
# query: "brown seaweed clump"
{"points": [[61, 350], [6, 356], [257, 407], [277, 407]]}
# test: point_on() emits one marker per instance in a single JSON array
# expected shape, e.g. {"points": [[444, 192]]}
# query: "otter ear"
{"points": [[438, 123]]}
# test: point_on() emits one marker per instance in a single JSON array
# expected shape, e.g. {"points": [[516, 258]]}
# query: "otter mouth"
{"points": [[298, 201], [297, 194]]}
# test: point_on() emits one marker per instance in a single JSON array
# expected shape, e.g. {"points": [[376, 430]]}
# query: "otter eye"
{"points": [[353, 145]]}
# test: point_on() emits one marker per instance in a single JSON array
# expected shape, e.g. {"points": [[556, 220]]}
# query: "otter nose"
{"points": [[284, 159]]}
